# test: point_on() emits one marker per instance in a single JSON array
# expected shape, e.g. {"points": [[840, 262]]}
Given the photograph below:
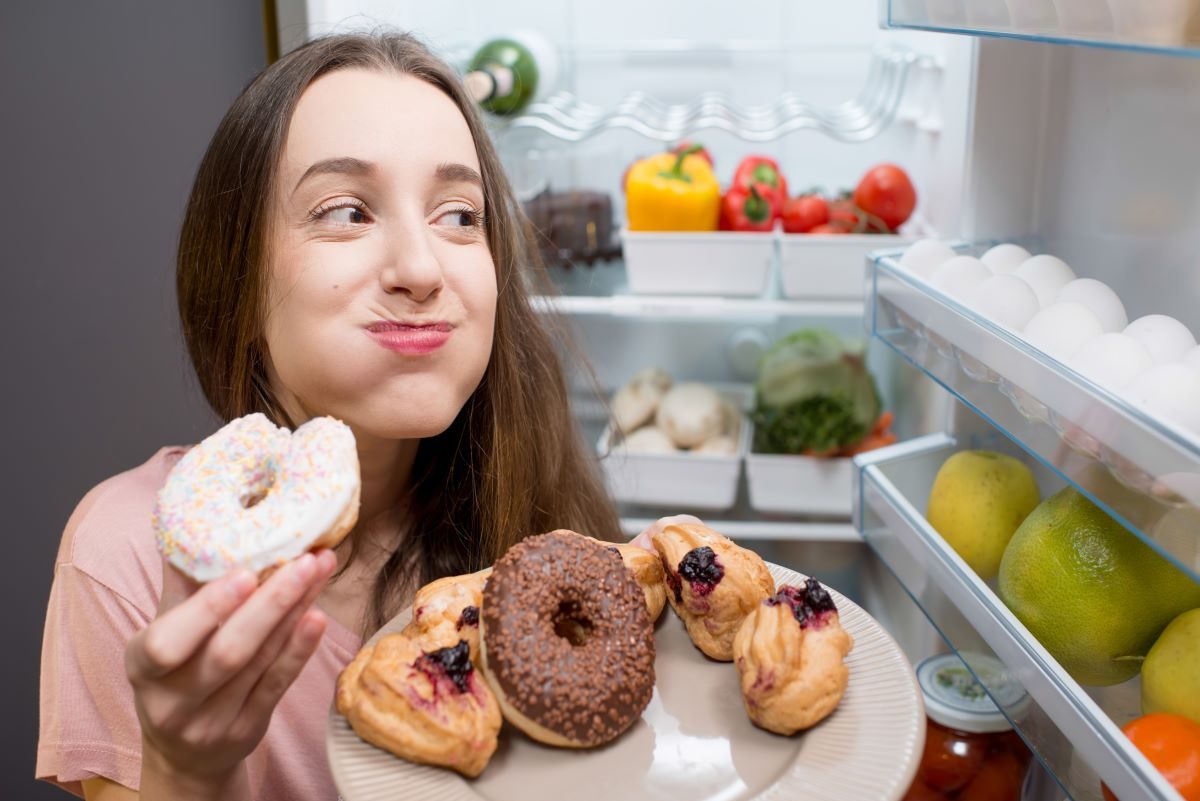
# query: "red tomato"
{"points": [[829, 228], [886, 192], [802, 214], [999, 779]]}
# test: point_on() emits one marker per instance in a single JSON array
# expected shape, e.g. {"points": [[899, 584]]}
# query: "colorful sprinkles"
{"points": [[255, 495]]}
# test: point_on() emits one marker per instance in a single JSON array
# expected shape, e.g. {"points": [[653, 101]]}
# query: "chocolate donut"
{"points": [[567, 644]]}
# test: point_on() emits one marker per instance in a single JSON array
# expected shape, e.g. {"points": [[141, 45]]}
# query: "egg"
{"points": [[1005, 258], [1004, 299], [1169, 392], [1166, 338], [960, 275], [1192, 357], [1111, 360], [1099, 298], [1061, 329], [1046, 274], [926, 255]]}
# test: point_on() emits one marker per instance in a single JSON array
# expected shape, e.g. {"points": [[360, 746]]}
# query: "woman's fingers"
{"points": [[177, 634], [244, 635], [256, 711], [233, 693]]}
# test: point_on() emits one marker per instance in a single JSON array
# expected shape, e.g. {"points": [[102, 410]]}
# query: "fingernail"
{"points": [[304, 568], [240, 584]]}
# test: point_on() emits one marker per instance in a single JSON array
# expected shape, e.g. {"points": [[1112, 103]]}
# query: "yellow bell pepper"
{"points": [[672, 192]]}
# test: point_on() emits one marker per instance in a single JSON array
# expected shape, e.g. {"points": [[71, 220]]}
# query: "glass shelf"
{"points": [[1148, 26], [603, 289], [1142, 472], [564, 116], [1074, 732]]}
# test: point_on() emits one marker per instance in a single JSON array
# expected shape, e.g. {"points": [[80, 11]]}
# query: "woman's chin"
{"points": [[410, 424]]}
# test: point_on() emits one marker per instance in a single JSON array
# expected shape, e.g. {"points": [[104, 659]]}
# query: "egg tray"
{"points": [[1067, 420]]}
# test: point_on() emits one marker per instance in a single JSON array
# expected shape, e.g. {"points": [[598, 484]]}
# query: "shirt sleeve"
{"points": [[107, 580], [89, 724]]}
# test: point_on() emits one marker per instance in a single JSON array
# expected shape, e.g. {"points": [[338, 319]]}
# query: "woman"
{"points": [[351, 248]]}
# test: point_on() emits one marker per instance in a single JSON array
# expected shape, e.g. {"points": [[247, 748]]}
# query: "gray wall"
{"points": [[105, 111]]}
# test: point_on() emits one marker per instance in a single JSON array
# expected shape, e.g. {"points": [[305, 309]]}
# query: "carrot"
{"points": [[870, 443], [883, 423]]}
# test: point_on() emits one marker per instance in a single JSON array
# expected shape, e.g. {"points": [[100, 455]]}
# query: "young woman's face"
{"points": [[382, 291]]}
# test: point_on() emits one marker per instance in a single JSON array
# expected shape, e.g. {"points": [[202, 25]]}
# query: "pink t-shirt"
{"points": [[107, 581]]}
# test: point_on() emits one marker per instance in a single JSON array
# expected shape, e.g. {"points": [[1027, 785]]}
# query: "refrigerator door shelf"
{"points": [[1074, 732], [1140, 470]]}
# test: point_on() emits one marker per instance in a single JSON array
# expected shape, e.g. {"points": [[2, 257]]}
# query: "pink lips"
{"points": [[411, 340]]}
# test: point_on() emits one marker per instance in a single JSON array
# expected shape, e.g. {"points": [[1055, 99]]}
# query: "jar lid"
{"points": [[956, 700]]}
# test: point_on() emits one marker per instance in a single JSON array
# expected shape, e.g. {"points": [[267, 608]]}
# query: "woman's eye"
{"points": [[348, 214], [465, 218]]}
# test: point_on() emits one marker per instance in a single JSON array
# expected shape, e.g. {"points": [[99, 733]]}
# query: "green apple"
{"points": [[1171, 672], [977, 501]]}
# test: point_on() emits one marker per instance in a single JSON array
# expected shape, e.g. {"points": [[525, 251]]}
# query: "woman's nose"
{"points": [[412, 267]]}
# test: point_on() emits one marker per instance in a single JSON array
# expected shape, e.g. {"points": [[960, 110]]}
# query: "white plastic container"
{"points": [[799, 484], [829, 266], [683, 481], [730, 263]]}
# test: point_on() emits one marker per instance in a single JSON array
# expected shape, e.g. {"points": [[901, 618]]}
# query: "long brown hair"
{"points": [[512, 463]]}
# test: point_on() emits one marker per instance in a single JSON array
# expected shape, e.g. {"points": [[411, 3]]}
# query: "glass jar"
{"points": [[971, 752]]}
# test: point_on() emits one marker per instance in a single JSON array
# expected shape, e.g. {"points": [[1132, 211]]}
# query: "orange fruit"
{"points": [[1172, 744]]}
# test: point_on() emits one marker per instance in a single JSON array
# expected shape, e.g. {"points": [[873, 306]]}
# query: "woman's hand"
{"points": [[209, 670], [643, 539]]}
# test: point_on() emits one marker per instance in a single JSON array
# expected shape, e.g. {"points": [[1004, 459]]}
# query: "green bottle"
{"points": [[508, 73]]}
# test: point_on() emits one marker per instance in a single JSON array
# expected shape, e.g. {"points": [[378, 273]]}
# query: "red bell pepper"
{"points": [[748, 209], [764, 173]]}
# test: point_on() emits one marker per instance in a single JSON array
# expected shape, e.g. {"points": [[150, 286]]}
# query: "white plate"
{"points": [[694, 740]]}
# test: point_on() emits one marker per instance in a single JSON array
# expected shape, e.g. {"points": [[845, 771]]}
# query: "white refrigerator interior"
{"points": [[1010, 135]]}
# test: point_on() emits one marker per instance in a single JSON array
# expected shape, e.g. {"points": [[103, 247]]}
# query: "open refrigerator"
{"points": [[1068, 127]]}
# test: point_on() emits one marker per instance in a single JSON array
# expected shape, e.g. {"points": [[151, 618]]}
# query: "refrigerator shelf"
{"points": [[564, 116], [1165, 27], [1142, 472], [764, 530], [693, 306], [1074, 732]]}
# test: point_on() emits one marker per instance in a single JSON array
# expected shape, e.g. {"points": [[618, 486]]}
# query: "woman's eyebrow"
{"points": [[453, 172], [344, 165]]}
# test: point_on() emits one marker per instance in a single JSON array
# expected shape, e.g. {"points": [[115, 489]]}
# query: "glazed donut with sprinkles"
{"points": [[254, 495]]}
